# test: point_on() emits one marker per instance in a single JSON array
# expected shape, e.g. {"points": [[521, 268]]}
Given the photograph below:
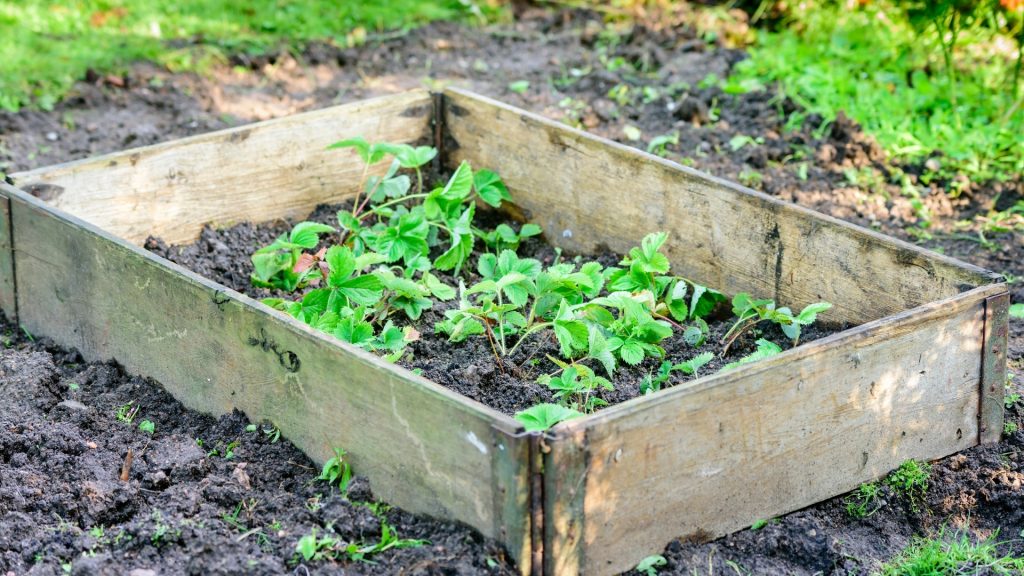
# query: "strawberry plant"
{"points": [[278, 265], [379, 275], [654, 382], [750, 312]]}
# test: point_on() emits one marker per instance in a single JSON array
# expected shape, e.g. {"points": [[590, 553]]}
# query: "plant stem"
{"points": [[501, 326], [392, 203], [527, 333], [669, 320], [743, 329], [419, 181]]}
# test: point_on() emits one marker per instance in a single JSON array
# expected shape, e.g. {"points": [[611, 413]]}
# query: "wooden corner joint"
{"points": [[993, 368]]}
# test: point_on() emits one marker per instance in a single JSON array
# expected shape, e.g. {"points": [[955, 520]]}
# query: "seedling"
{"points": [[1017, 310], [126, 412], [649, 565], [273, 433], [576, 385], [654, 382], [1010, 428], [958, 553], [910, 481], [147, 426], [337, 470], [659, 144], [751, 312]]}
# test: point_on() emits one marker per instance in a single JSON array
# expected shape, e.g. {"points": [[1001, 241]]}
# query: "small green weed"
{"points": [[126, 412], [649, 565], [337, 470], [147, 426], [862, 502], [910, 481], [958, 553]]}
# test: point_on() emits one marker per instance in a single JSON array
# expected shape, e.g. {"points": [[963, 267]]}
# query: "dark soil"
{"points": [[183, 510], [979, 490]]}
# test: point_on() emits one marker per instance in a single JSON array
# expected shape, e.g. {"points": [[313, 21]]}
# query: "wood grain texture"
{"points": [[713, 455], [588, 192], [258, 172], [423, 447], [511, 477], [993, 381], [8, 303], [566, 469]]}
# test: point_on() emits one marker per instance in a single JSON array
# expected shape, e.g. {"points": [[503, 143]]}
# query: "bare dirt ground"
{"points": [[563, 56]]}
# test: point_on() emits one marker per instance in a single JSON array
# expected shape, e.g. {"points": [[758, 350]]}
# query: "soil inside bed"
{"points": [[186, 507], [223, 254]]}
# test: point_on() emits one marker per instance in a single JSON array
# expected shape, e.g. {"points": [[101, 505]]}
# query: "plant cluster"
{"points": [[368, 279], [910, 480], [327, 547]]}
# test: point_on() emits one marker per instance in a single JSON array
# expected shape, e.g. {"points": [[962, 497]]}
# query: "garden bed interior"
{"points": [[920, 376]]}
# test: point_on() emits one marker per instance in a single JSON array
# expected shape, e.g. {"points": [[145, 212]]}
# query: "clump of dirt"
{"points": [[203, 495], [470, 367]]}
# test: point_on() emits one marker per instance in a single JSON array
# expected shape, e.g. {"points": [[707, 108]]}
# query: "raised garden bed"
{"points": [[920, 376]]}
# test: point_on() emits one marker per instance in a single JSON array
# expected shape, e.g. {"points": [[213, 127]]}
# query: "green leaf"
{"points": [[599, 349], [437, 288], [370, 153], [406, 239], [307, 234], [649, 565], [462, 244], [694, 364], [529, 229], [341, 263], [490, 188], [307, 546], [571, 335], [363, 290], [765, 349], [460, 184], [631, 352], [410, 157], [543, 416], [394, 187], [1017, 310], [693, 336], [519, 86], [810, 312]]}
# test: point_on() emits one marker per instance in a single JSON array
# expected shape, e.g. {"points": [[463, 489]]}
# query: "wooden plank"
{"points": [[264, 171], [8, 303], [511, 477], [713, 455], [993, 381], [566, 469], [423, 447], [588, 192]]}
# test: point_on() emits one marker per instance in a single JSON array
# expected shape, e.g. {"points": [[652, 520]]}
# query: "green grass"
{"points": [[49, 44], [958, 554], [870, 63]]}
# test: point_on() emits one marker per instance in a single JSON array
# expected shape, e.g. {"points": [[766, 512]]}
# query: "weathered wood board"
{"points": [[715, 454], [587, 192], [422, 446], [920, 377], [8, 305], [274, 169]]}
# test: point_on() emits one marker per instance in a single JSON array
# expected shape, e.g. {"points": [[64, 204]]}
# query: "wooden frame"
{"points": [[919, 377]]}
